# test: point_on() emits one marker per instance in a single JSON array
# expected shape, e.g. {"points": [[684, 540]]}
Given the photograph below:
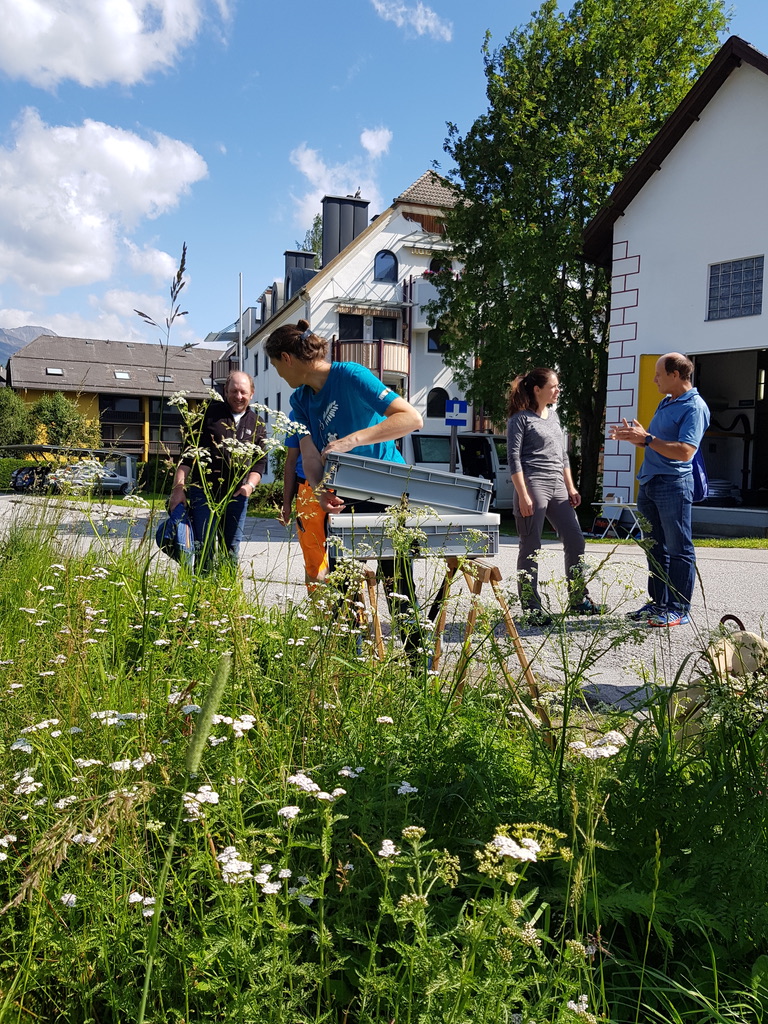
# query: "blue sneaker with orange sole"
{"points": [[665, 618]]}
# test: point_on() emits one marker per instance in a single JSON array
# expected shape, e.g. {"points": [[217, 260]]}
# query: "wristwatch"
{"points": [[648, 439]]}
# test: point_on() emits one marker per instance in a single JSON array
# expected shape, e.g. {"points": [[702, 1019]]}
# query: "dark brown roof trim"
{"points": [[598, 234]]}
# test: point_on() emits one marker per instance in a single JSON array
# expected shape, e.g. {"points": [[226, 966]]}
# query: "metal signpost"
{"points": [[456, 415]]}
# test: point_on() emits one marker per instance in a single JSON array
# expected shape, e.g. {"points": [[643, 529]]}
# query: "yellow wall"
{"points": [[88, 405], [648, 399]]}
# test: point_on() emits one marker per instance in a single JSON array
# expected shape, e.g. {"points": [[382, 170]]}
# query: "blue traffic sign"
{"points": [[456, 413]]}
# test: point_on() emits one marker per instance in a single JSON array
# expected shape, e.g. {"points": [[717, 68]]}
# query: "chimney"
{"points": [[344, 218]]}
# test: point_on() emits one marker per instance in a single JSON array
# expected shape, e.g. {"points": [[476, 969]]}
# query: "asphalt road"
{"points": [[731, 581]]}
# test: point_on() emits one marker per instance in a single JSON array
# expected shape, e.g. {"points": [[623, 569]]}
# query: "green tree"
{"points": [[313, 240], [16, 425], [64, 424], [572, 102]]}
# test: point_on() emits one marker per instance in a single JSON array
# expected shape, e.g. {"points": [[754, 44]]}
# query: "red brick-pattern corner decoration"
{"points": [[622, 367]]}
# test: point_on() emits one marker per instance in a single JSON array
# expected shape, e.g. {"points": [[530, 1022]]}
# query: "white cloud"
{"points": [[342, 178], [112, 317], [375, 141], [159, 265], [97, 41], [419, 19], [66, 191]]}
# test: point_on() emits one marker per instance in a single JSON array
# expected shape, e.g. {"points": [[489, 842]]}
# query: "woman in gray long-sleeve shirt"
{"points": [[538, 462]]}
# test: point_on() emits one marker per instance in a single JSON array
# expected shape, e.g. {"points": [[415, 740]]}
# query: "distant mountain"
{"points": [[14, 338]]}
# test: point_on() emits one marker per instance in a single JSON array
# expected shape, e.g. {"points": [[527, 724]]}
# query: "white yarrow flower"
{"points": [[405, 788], [388, 849], [289, 812]]}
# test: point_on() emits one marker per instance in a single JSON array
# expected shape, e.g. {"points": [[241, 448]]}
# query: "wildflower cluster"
{"points": [[607, 746], [194, 803]]}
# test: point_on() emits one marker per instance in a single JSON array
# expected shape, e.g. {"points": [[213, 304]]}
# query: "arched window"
{"points": [[385, 266], [438, 263], [436, 400]]}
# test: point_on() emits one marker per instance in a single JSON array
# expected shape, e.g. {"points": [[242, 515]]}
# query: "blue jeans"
{"points": [[226, 525], [665, 501]]}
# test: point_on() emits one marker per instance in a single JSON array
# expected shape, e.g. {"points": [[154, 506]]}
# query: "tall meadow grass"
{"points": [[214, 808]]}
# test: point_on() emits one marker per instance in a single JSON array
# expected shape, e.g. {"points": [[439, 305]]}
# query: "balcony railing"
{"points": [[221, 369], [117, 416], [379, 356]]}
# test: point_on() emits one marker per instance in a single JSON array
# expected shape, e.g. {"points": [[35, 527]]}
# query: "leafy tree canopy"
{"points": [[313, 240], [64, 424], [573, 99], [16, 425]]}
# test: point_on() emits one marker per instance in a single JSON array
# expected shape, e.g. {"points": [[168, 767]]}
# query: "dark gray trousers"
{"points": [[550, 501]]}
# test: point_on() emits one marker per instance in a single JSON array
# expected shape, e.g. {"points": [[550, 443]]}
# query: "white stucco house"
{"points": [[367, 299], [686, 232]]}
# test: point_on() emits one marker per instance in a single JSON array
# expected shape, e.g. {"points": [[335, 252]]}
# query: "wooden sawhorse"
{"points": [[476, 572]]}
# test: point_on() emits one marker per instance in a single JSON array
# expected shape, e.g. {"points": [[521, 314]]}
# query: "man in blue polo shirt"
{"points": [[666, 489]]}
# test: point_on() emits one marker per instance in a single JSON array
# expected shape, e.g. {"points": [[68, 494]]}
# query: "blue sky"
{"points": [[130, 126]]}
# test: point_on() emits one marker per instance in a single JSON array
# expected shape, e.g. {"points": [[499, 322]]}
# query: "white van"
{"points": [[483, 455]]}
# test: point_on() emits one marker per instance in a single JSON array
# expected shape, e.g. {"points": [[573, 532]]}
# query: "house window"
{"points": [[435, 341], [279, 402], [207, 381], [385, 266], [735, 288], [122, 375], [54, 371], [438, 263], [350, 327], [385, 328], [162, 379], [120, 403], [436, 400]]}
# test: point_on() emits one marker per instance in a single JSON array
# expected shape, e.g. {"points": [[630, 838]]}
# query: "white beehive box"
{"points": [[369, 536], [364, 479]]}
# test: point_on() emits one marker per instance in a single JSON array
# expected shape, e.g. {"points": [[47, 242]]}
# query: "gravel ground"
{"points": [[732, 581]]}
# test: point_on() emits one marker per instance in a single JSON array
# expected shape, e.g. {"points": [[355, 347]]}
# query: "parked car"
{"points": [[90, 475], [30, 478], [483, 455]]}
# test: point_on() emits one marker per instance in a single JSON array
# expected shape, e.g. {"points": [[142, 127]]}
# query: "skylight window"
{"points": [[122, 375], [54, 371]]}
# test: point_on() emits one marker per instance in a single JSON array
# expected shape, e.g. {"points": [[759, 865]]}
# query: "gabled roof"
{"points": [[598, 234], [429, 190], [89, 366]]}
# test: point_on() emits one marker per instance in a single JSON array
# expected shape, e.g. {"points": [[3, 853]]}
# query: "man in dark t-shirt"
{"points": [[232, 436]]}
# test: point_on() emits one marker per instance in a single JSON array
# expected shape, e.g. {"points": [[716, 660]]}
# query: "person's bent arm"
{"points": [[400, 418], [178, 491], [314, 472], [636, 434], [249, 485]]}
